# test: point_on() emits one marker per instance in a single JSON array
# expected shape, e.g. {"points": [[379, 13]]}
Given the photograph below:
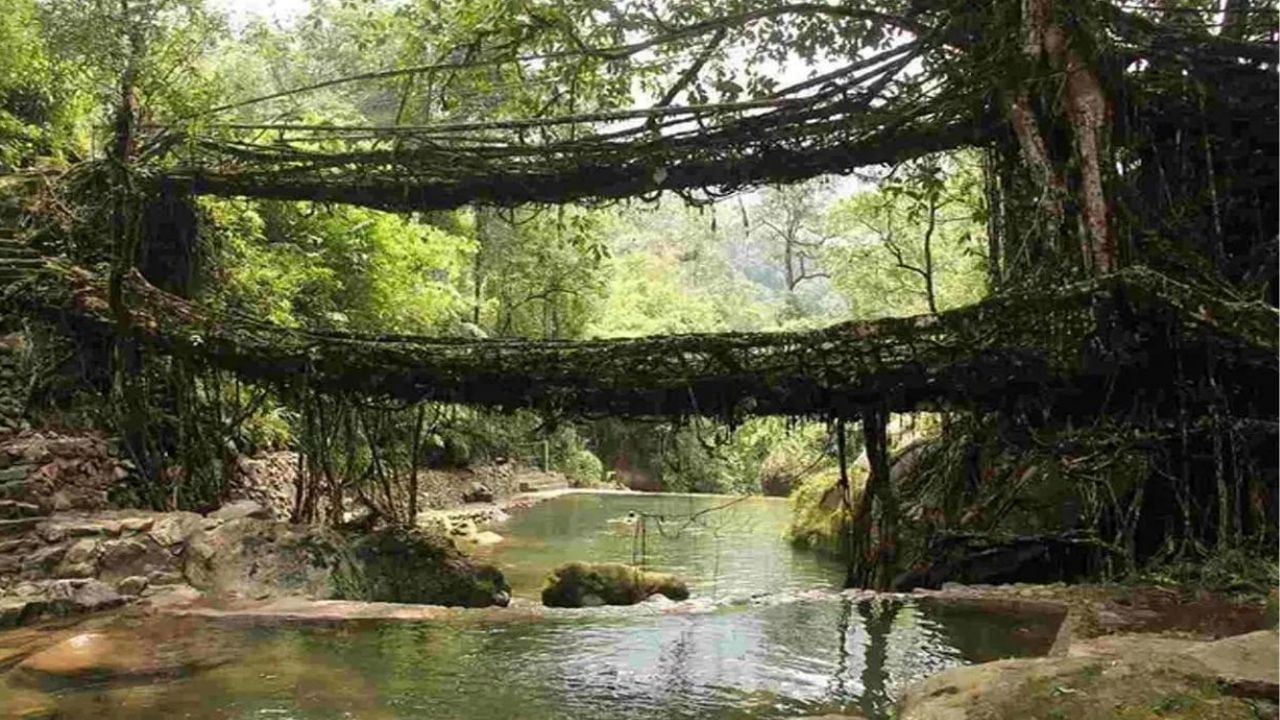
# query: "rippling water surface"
{"points": [[726, 547], [818, 653]]}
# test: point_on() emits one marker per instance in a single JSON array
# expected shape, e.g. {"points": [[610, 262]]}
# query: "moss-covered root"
{"points": [[587, 584]]}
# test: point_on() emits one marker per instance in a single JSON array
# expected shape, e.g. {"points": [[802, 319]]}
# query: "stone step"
{"points": [[16, 510], [21, 525]]}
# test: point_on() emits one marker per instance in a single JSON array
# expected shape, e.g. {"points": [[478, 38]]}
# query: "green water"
{"points": [[777, 656], [724, 547]]}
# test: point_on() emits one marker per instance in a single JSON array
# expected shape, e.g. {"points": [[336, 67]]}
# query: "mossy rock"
{"points": [[414, 566], [585, 584]]}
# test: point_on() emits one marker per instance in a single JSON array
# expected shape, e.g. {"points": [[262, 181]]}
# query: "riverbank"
{"points": [[225, 570], [1096, 667], [1125, 652]]}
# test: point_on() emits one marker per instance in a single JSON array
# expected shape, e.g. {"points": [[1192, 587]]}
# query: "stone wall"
{"points": [[44, 472], [269, 479], [13, 383]]}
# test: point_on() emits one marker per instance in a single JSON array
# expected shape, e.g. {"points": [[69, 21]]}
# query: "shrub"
{"points": [[583, 468]]}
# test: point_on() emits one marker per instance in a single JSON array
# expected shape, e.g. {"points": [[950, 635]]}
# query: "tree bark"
{"points": [[930, 294], [1088, 115]]}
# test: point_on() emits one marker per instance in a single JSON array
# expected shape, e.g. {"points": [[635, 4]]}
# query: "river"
{"points": [[766, 635]]}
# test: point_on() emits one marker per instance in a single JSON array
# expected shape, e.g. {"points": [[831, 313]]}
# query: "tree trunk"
{"points": [[929, 292], [1235, 19], [879, 498], [1088, 115]]}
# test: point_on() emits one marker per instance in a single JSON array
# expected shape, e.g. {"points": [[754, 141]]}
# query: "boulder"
{"points": [[132, 586], [577, 584], [477, 493], [241, 509], [1130, 676], [174, 529], [263, 558], [1245, 665], [486, 537], [256, 558], [135, 555], [30, 602], [413, 566], [84, 595]]}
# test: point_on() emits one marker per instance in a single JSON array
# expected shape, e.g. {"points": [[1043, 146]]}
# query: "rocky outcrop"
{"points": [[412, 566], [591, 584], [450, 488], [1126, 676], [268, 479], [72, 562]]}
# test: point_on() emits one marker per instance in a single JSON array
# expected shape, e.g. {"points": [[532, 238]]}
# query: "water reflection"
{"points": [[733, 551], [822, 653], [813, 656]]}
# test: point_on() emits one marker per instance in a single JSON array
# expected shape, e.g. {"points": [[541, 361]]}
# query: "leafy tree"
{"points": [[537, 273], [914, 243]]}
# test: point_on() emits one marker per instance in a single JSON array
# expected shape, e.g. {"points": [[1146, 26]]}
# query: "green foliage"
{"points": [[695, 456], [881, 260], [1251, 572], [537, 273], [672, 271], [799, 453], [38, 106], [336, 268], [583, 468]]}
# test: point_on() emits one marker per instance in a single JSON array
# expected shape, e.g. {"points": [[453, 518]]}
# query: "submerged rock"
{"points": [[114, 655], [588, 584], [27, 704]]}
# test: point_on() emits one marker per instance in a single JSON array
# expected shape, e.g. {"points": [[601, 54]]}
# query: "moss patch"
{"points": [[818, 518], [413, 566], [584, 584]]}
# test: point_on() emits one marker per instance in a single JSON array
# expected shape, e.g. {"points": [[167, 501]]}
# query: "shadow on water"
{"points": [[809, 654]]}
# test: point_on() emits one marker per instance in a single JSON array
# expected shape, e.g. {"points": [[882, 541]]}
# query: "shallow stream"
{"points": [[798, 647]]}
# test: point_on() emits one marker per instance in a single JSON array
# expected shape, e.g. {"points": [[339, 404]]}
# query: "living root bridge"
{"points": [[1083, 349], [398, 181]]}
